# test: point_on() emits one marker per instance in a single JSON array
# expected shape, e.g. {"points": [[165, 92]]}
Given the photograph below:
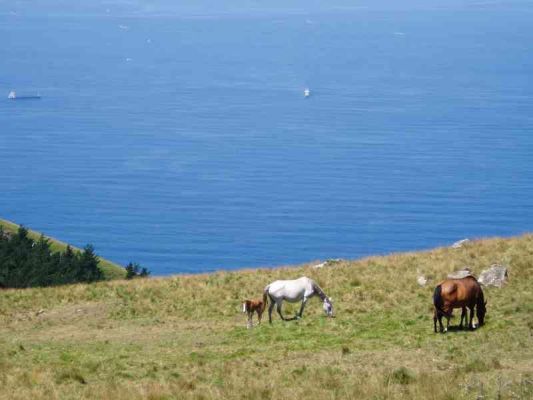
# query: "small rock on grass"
{"points": [[327, 263], [462, 273], [495, 276], [422, 280], [460, 243]]}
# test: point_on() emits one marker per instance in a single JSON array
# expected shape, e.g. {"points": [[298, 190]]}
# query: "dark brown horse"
{"points": [[458, 293]]}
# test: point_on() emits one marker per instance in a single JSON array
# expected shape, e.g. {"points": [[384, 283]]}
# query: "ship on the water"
{"points": [[13, 96]]}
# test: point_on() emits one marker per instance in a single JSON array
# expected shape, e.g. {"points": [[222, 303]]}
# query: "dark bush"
{"points": [[134, 270], [25, 262]]}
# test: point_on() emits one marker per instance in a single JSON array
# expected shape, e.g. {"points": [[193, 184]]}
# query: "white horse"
{"points": [[300, 289]]}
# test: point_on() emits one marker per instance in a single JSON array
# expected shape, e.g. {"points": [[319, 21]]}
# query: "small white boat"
{"points": [[13, 96], [307, 93]]}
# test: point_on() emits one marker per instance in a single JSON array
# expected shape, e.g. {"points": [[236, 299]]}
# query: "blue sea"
{"points": [[179, 136]]}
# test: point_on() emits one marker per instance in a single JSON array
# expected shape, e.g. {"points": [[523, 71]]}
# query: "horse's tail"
{"points": [[265, 298], [438, 302]]}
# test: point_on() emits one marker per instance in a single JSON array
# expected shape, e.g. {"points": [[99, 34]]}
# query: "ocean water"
{"points": [[182, 140]]}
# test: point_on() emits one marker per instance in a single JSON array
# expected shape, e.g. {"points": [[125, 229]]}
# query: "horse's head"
{"points": [[328, 307], [481, 310]]}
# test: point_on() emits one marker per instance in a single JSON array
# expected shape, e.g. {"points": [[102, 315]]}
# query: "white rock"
{"points": [[460, 243], [462, 273], [495, 276], [328, 262], [422, 280]]}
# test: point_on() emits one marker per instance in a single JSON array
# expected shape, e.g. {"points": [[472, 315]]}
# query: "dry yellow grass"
{"points": [[184, 336]]}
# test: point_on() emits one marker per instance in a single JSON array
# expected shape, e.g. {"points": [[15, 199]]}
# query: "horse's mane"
{"points": [[319, 291]]}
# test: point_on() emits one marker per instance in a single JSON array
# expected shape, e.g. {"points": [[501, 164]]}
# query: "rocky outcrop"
{"points": [[328, 263], [462, 273], [495, 276], [460, 243]]}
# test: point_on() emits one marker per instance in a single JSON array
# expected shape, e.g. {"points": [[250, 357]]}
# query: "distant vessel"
{"points": [[13, 96], [307, 93]]}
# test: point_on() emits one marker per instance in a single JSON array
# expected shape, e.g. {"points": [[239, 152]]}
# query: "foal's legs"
{"points": [[250, 323], [259, 315]]}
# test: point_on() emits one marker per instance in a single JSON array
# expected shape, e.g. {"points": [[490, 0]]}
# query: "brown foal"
{"points": [[251, 306]]}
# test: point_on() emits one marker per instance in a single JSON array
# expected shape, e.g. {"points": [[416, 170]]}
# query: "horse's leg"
{"points": [[441, 327], [304, 301], [270, 308], [259, 315], [435, 320], [470, 326], [463, 315], [278, 309], [250, 323], [447, 316]]}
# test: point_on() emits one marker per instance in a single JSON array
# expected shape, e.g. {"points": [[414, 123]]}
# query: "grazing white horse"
{"points": [[301, 289]]}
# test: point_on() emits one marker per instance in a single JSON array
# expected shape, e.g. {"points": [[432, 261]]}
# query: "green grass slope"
{"points": [[184, 337], [109, 268]]}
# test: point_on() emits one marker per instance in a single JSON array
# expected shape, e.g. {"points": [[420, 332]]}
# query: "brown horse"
{"points": [[251, 306], [458, 293]]}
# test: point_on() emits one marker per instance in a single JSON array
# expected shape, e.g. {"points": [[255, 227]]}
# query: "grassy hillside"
{"points": [[110, 269], [184, 337]]}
